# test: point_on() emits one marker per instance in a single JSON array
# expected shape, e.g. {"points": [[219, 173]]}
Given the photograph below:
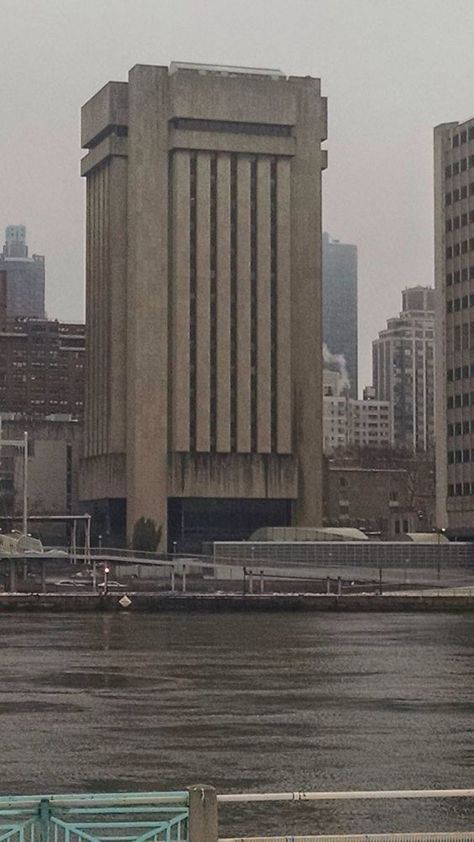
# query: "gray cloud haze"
{"points": [[391, 70]]}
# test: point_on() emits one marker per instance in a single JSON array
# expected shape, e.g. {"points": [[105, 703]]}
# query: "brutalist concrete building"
{"points": [[204, 392]]}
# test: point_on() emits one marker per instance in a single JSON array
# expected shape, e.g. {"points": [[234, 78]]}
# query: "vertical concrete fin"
{"points": [[283, 315], [263, 306], [223, 303], [203, 312], [243, 304], [180, 301]]}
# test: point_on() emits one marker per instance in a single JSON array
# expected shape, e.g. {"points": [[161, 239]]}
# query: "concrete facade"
{"points": [[403, 369], [25, 276], [340, 306], [204, 290], [454, 281], [55, 449]]}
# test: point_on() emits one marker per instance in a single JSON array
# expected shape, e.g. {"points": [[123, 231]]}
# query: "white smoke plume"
{"points": [[337, 362]]}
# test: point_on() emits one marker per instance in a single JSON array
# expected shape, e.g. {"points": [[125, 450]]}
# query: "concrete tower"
{"points": [[203, 404]]}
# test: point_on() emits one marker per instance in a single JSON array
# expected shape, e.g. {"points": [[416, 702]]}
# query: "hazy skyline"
{"points": [[391, 71]]}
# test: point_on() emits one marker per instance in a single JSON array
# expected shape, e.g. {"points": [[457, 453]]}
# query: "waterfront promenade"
{"points": [[395, 578]]}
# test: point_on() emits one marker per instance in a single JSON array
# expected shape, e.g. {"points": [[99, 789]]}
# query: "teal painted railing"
{"points": [[106, 817]]}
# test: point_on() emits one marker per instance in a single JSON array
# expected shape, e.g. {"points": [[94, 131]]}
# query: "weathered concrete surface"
{"points": [[178, 162], [233, 602], [202, 814]]}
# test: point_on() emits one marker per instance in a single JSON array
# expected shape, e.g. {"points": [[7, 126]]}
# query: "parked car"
{"points": [[111, 585]]}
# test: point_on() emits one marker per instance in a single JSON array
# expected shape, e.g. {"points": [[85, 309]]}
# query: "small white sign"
{"points": [[125, 601]]}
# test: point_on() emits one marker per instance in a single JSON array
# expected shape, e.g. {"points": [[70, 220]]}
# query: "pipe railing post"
{"points": [[44, 819], [202, 814], [74, 542]]}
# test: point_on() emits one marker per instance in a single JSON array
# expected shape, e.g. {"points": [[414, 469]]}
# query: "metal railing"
{"points": [[260, 570], [365, 837], [184, 816], [114, 817], [362, 795]]}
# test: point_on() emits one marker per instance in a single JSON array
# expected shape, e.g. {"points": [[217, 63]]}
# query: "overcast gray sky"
{"points": [[391, 70]]}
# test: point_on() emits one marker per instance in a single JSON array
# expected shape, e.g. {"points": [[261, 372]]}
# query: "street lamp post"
{"points": [[440, 532], [106, 579]]}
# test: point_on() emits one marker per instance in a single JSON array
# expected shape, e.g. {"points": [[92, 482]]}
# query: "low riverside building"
{"points": [[395, 564], [385, 501], [54, 451]]}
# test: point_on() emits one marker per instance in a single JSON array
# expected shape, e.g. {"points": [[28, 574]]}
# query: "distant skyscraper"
{"points": [[403, 369], [25, 275], [340, 304]]}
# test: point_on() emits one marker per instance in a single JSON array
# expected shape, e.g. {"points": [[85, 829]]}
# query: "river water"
{"points": [[245, 702]]}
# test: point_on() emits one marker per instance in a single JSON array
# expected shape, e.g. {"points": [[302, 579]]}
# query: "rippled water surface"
{"points": [[244, 702]]}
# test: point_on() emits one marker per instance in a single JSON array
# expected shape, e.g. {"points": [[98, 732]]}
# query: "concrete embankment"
{"points": [[156, 602]]}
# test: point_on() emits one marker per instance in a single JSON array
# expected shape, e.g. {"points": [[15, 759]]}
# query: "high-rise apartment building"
{"points": [[203, 400], [340, 305], [454, 278], [25, 275], [403, 369]]}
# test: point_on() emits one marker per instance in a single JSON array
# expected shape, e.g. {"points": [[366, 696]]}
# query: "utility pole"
{"points": [[25, 484]]}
